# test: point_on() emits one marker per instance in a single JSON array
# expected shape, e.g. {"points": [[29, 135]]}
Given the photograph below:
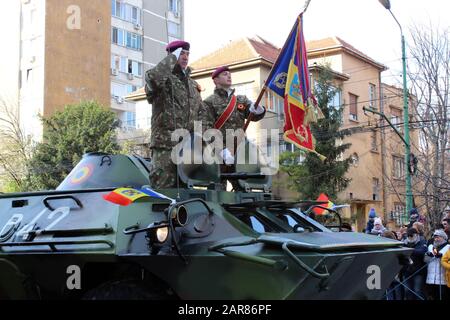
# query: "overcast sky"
{"points": [[365, 24]]}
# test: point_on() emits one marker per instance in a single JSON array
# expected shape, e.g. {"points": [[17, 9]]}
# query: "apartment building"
{"points": [[74, 50], [140, 30], [359, 78]]}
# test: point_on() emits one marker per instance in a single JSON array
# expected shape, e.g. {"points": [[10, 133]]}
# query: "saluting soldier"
{"points": [[176, 103], [229, 111]]}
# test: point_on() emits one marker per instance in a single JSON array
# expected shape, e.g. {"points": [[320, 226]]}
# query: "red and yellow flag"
{"points": [[289, 79], [126, 196], [323, 197]]}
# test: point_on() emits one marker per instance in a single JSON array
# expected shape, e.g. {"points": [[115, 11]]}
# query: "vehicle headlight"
{"points": [[162, 234]]}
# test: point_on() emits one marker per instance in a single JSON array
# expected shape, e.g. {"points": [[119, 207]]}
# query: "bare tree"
{"points": [[15, 147], [429, 73]]}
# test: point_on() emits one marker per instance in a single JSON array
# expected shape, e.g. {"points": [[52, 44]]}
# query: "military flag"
{"points": [[126, 196], [289, 79]]}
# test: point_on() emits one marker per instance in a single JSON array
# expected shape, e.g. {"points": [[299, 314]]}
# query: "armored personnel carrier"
{"points": [[207, 243]]}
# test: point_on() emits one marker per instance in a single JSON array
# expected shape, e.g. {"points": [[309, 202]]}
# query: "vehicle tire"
{"points": [[125, 290]]}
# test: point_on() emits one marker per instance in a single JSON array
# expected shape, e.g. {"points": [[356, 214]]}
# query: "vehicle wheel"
{"points": [[125, 290]]}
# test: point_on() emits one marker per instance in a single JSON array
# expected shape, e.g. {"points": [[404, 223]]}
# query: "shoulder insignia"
{"points": [[241, 107]]}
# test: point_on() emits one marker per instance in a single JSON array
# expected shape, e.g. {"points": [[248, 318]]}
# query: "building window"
{"points": [[399, 214], [118, 90], [119, 9], [121, 37], [128, 10], [335, 102], [375, 189], [280, 110], [135, 68], [174, 29], [119, 63], [396, 117], [354, 159], [114, 35], [174, 6], [353, 107], [125, 12], [130, 120], [125, 38], [268, 96], [123, 64], [273, 103], [372, 96], [244, 88], [118, 36], [29, 78], [115, 62], [399, 167], [374, 141], [136, 16]]}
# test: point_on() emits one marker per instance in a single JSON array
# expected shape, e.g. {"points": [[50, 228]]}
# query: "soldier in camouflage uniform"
{"points": [[217, 104], [176, 103]]}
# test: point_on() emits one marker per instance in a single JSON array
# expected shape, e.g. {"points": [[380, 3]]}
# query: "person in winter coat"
{"points": [[372, 216], [414, 274], [378, 227], [420, 229], [437, 288], [446, 226], [445, 261]]}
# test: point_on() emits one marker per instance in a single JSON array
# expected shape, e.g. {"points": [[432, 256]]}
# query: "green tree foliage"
{"points": [[68, 134], [312, 176]]}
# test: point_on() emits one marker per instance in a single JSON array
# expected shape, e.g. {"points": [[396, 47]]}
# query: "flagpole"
{"points": [[263, 89]]}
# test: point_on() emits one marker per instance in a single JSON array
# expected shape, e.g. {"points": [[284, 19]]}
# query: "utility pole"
{"points": [[406, 140]]}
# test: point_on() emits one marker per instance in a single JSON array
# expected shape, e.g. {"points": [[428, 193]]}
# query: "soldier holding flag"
{"points": [[229, 111]]}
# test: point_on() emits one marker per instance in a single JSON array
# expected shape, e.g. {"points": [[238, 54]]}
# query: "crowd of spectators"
{"points": [[426, 274]]}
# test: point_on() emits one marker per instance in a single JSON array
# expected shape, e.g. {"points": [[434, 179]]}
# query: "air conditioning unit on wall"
{"points": [[130, 76], [114, 71]]}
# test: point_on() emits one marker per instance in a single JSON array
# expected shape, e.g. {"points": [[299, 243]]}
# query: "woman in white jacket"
{"points": [[436, 281]]}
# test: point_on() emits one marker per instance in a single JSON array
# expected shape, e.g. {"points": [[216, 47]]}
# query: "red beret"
{"points": [[174, 45], [219, 70]]}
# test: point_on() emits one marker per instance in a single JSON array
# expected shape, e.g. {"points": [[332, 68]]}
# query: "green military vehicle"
{"points": [[70, 243]]}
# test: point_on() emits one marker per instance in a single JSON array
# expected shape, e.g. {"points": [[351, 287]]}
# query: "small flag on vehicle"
{"points": [[126, 196]]}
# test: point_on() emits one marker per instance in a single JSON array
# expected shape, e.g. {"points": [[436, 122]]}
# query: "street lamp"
{"points": [[387, 5]]}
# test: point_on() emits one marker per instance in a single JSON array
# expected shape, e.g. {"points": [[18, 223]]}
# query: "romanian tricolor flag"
{"points": [[323, 198], [289, 79], [126, 196]]}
